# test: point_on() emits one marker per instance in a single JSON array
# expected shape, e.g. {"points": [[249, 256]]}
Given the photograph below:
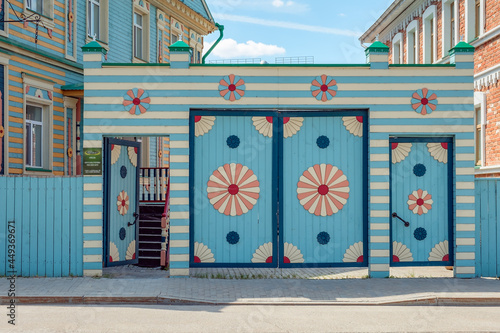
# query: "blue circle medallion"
{"points": [[232, 237], [419, 170], [123, 233], [123, 171], [323, 238], [322, 141], [420, 233], [233, 141]]}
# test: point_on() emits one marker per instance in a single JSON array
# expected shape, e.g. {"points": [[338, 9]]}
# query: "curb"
{"points": [[91, 300]]}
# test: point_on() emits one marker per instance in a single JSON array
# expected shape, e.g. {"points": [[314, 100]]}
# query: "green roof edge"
{"points": [[94, 46], [462, 47], [377, 46], [179, 46]]}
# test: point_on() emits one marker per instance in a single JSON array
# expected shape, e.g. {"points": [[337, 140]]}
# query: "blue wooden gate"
{"points": [[421, 186], [252, 184], [122, 201]]}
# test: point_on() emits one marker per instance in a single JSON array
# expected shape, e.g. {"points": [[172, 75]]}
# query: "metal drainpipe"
{"points": [[221, 30]]}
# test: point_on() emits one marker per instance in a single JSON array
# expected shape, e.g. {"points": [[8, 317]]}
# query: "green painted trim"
{"points": [[6, 52], [39, 77], [462, 47], [179, 46], [39, 52], [37, 169], [128, 64], [422, 65], [377, 46], [94, 47], [76, 86], [279, 65]]}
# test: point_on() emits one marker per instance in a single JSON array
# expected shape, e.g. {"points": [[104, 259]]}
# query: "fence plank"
{"points": [[477, 193], [491, 232], [42, 225], [65, 226], [79, 226], [72, 228], [11, 217], [32, 206], [57, 226], [25, 222], [49, 236]]}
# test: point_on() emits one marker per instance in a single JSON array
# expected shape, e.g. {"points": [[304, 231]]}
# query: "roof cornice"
{"points": [[189, 17]]}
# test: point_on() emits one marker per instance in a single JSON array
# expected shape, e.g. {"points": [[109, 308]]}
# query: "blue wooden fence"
{"points": [[488, 233], [47, 216]]}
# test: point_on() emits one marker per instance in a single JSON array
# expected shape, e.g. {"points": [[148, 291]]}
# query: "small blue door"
{"points": [[122, 201], [233, 191], [421, 201], [323, 189]]}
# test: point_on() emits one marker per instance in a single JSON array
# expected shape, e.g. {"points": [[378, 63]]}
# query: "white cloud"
{"points": [[229, 48], [287, 25], [341, 14], [278, 3]]}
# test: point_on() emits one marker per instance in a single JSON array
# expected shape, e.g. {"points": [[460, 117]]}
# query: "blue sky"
{"points": [[328, 30]]}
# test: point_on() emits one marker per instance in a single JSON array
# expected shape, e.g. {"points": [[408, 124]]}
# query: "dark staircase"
{"points": [[150, 235]]}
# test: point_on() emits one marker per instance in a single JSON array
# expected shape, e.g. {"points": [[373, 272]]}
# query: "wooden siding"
{"points": [[488, 233], [48, 220]]}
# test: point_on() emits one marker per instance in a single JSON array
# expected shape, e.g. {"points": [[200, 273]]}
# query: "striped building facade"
{"points": [[178, 89]]}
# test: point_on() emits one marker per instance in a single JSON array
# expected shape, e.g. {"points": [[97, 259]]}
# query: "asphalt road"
{"points": [[242, 318]]}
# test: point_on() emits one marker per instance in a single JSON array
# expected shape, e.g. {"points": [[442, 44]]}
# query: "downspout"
{"points": [[221, 30]]}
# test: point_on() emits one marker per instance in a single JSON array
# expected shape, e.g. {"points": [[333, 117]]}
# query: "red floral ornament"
{"points": [[424, 101], [324, 88], [136, 101], [232, 87]]}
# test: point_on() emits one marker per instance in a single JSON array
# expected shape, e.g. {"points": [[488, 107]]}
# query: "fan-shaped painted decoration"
{"points": [[400, 151], [324, 88], [323, 190], [115, 153], [233, 189], [114, 254], [440, 252], [400, 252], [136, 101], [291, 254], [203, 124], [438, 150], [130, 255], [354, 125], [354, 253], [420, 202], [424, 101], [132, 155], [202, 253], [264, 253], [122, 202], [264, 125], [291, 125], [232, 87]]}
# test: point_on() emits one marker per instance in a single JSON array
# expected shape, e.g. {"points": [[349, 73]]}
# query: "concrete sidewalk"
{"points": [[161, 290]]}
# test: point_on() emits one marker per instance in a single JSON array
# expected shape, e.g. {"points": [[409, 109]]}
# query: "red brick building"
{"points": [[423, 31]]}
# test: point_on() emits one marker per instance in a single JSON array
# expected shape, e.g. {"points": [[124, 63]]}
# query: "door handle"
{"points": [[135, 220], [407, 224]]}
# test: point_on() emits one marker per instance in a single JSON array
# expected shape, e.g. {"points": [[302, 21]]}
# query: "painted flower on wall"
{"points": [[263, 254], [323, 238], [122, 202], [424, 101], [291, 125], [132, 155], [400, 252], [439, 150], [202, 253], [420, 233], [233, 189], [323, 190], [232, 87], [440, 252], [264, 125], [324, 88], [114, 254], [130, 254], [354, 125], [354, 253], [115, 153], [420, 202], [232, 237], [136, 101], [203, 124], [400, 151], [2, 132], [291, 254]]}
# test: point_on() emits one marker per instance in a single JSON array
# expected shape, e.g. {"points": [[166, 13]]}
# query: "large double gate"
{"points": [[278, 188]]}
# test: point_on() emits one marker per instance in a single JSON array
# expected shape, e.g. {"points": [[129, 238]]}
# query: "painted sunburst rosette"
{"points": [[420, 202], [263, 254], [354, 253], [324, 88], [354, 125], [122, 203], [202, 253], [400, 252], [130, 254], [264, 125], [233, 189], [232, 87], [424, 101], [323, 189], [132, 155], [439, 150], [291, 254], [291, 125], [115, 153], [400, 151], [114, 254], [203, 124], [440, 252]]}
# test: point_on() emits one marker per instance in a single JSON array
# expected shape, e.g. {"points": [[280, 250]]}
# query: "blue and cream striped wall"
{"points": [[386, 93]]}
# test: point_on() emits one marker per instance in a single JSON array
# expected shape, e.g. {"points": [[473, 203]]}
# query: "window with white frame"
{"points": [[175, 31], [450, 25], [480, 123], [412, 43], [138, 36], [34, 136], [429, 37], [97, 20], [43, 7], [397, 50], [474, 19], [141, 32]]}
